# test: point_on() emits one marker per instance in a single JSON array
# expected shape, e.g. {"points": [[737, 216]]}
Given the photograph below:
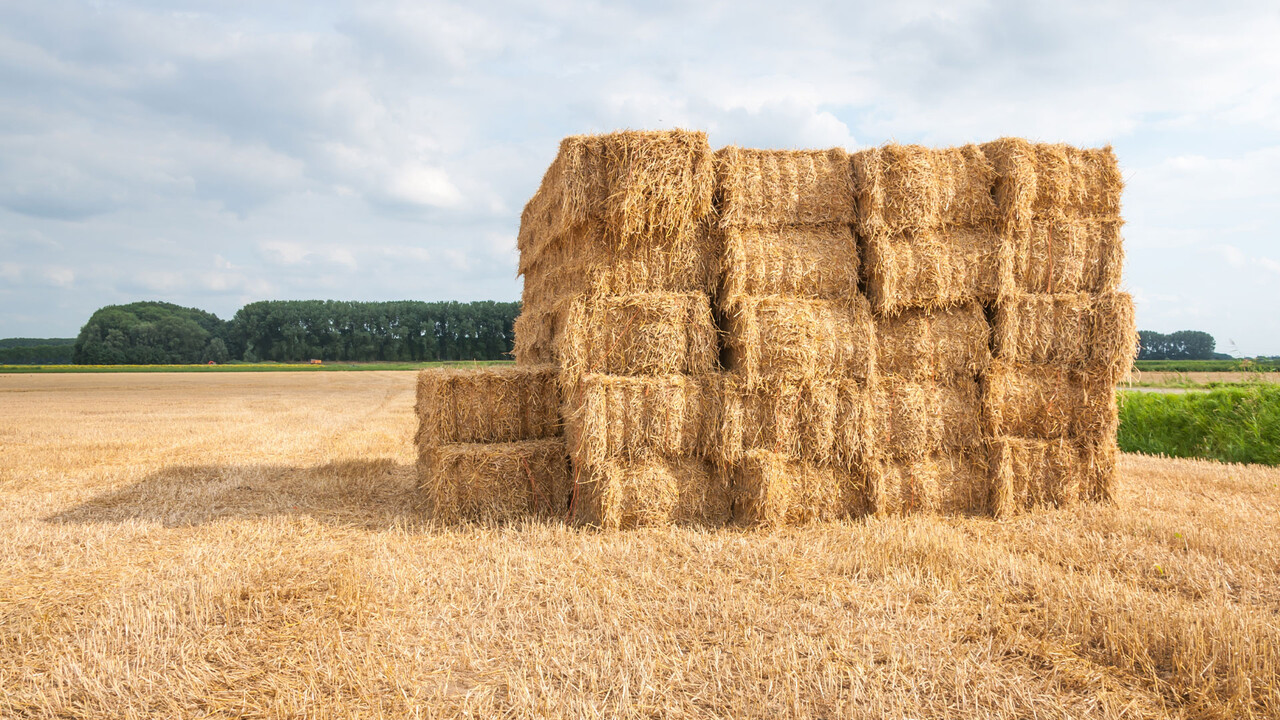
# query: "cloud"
{"points": [[216, 152]]}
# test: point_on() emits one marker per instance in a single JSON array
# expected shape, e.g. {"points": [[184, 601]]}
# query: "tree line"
{"points": [[153, 333], [1181, 345], [36, 351]]}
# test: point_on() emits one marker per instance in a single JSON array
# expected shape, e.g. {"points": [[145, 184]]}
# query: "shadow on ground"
{"points": [[370, 494]]}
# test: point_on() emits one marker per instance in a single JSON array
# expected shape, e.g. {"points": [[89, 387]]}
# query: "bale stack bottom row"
{"points": [[776, 337]]}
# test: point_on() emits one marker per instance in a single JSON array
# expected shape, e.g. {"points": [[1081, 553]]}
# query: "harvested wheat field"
{"points": [[247, 545]]}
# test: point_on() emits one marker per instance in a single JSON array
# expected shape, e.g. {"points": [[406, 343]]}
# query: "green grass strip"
{"points": [[1238, 424]]}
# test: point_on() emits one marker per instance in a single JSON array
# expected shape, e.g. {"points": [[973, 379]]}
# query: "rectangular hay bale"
{"points": [[952, 482], [537, 332], [1060, 254], [796, 337], [495, 482], [639, 185], [655, 492], [629, 418], [935, 268], [929, 344], [910, 188], [807, 261], [822, 420], [582, 261], [1047, 401], [487, 404], [1097, 333], [639, 334], [918, 418], [1030, 473], [774, 489], [771, 188]]}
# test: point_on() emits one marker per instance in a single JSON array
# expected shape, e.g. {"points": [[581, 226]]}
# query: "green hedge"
{"points": [[1233, 425], [1207, 365]]}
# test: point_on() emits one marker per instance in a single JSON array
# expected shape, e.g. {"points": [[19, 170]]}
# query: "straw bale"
{"points": [[1057, 253], [935, 268], [770, 188], [616, 417], [928, 344], [798, 337], [916, 418], [953, 482], [487, 404], [808, 261], [582, 261], [823, 420], [1047, 401], [1090, 332], [775, 489], [653, 492], [1080, 181], [910, 188], [639, 334], [537, 331], [638, 185], [1035, 179], [495, 482], [1100, 459], [1029, 473]]}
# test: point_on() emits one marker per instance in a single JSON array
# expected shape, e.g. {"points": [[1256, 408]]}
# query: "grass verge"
{"points": [[1239, 424]]}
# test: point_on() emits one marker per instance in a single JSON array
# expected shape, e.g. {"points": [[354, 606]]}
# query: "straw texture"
{"points": [[1077, 330], [803, 261], [680, 491], [915, 419], [771, 188], [630, 418], [638, 185], [774, 489], [827, 421], [495, 482], [953, 482], [640, 334], [927, 344], [486, 405], [775, 336], [1046, 401]]}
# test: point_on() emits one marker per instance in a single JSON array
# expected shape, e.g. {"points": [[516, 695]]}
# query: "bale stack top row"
{"points": [[784, 336]]}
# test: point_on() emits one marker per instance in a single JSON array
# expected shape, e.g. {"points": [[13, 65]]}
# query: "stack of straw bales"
{"points": [[787, 336], [1062, 334], [799, 341], [934, 259], [619, 266], [490, 445]]}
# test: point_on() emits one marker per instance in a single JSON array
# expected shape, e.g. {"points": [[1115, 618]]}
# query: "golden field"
{"points": [[248, 545]]}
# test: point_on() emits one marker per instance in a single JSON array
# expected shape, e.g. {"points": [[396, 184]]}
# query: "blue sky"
{"points": [[216, 153]]}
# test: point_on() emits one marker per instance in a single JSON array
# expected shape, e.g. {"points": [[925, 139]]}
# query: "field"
{"points": [[248, 545]]}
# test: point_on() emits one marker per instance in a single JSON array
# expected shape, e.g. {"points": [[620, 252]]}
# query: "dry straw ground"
{"points": [[247, 545]]}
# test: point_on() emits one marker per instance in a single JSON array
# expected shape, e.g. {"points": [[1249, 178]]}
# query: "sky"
{"points": [[217, 153]]}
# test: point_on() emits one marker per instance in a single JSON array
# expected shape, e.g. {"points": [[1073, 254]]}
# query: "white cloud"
{"points": [[421, 185], [384, 149]]}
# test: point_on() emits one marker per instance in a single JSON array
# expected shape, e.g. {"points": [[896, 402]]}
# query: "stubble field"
{"points": [[248, 545]]}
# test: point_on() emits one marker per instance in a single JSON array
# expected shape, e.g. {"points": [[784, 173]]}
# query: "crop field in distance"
{"points": [[249, 545]]}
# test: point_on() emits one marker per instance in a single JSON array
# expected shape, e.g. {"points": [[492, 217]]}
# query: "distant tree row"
{"points": [[292, 330], [1181, 345], [48, 354], [8, 343]]}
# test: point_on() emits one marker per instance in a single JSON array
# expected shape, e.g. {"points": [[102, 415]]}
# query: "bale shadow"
{"points": [[369, 494]]}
